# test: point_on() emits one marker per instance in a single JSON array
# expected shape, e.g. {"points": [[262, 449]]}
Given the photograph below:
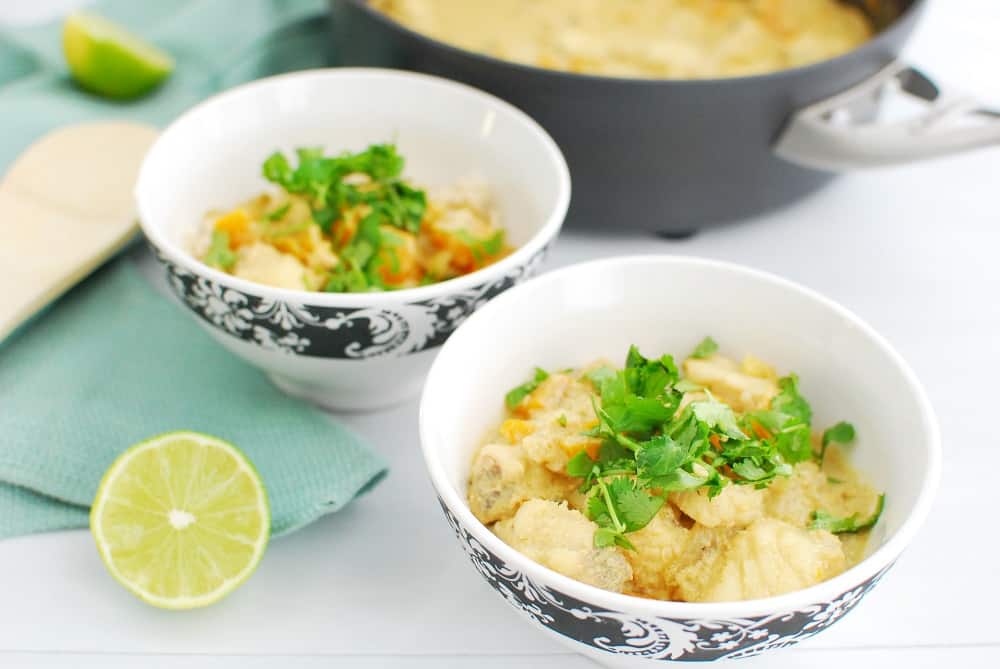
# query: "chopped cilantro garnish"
{"points": [[514, 397], [841, 433], [391, 204], [717, 415], [650, 447], [790, 402], [219, 254], [482, 249], [321, 179], [686, 386], [821, 520], [787, 421], [580, 465], [705, 349], [347, 279], [599, 375]]}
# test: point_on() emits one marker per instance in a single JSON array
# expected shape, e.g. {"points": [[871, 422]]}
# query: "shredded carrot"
{"points": [[760, 430], [514, 430], [236, 224]]}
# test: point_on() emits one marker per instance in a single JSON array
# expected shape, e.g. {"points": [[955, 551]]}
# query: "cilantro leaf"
{"points": [[821, 520], [681, 479], [790, 402], [649, 378], [620, 506], [604, 537], [635, 506], [347, 278], [750, 470], [790, 435], [219, 254], [659, 457], [795, 443], [516, 395], [597, 511], [325, 218], [841, 433], [482, 249], [706, 348], [580, 465], [638, 399], [686, 386], [599, 376], [634, 415], [717, 416], [614, 456], [277, 170]]}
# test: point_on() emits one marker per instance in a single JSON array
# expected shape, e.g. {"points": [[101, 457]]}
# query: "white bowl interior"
{"points": [[211, 158], [666, 305]]}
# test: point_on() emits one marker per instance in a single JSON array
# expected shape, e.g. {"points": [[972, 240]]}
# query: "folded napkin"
{"points": [[114, 362]]}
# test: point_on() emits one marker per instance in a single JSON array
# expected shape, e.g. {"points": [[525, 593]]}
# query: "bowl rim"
{"points": [[826, 591], [871, 45], [318, 76]]}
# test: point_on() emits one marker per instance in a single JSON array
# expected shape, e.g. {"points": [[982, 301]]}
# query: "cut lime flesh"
{"points": [[181, 520]]}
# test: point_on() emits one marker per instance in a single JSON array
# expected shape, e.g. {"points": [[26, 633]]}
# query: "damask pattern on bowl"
{"points": [[337, 332], [685, 640]]}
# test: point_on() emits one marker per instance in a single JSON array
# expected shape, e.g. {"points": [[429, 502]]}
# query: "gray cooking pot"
{"points": [[674, 155]]}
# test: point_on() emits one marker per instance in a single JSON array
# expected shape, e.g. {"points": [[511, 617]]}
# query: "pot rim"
{"points": [[827, 591], [542, 72]]}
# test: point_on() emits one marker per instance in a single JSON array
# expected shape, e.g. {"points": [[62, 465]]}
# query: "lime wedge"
{"points": [[108, 60], [181, 520]]}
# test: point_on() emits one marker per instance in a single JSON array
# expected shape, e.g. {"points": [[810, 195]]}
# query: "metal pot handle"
{"points": [[841, 132]]}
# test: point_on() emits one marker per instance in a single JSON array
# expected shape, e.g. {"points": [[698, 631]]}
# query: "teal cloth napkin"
{"points": [[113, 362]]}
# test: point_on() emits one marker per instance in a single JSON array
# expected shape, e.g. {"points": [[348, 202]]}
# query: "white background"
{"points": [[912, 250]]}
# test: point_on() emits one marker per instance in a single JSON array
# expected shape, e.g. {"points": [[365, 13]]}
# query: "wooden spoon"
{"points": [[66, 206]]}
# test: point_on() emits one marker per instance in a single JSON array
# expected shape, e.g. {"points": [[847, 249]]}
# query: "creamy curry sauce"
{"points": [[672, 39]]}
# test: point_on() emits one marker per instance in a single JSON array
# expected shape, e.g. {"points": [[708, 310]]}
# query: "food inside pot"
{"points": [[672, 39], [706, 483], [352, 223]]}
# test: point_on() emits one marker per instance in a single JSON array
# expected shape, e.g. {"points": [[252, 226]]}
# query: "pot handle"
{"points": [[841, 132]]}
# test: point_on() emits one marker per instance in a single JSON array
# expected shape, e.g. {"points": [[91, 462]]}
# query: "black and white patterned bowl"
{"points": [[667, 304], [346, 351]]}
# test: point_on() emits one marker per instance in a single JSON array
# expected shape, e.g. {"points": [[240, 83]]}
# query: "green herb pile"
{"points": [[392, 202], [651, 448]]}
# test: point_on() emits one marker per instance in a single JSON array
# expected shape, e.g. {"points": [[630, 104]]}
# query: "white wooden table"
{"points": [[913, 250]]}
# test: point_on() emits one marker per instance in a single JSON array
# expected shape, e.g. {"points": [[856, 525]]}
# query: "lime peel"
{"points": [[181, 519], [107, 59]]}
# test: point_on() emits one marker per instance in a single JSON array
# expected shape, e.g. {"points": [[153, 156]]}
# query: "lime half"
{"points": [[107, 59], [181, 520]]}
